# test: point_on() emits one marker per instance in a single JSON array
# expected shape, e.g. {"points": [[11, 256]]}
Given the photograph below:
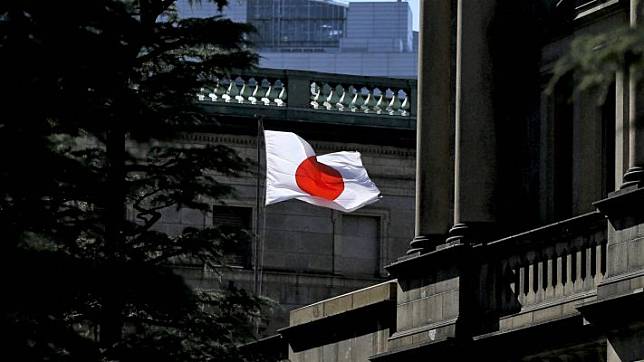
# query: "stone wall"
{"points": [[312, 253]]}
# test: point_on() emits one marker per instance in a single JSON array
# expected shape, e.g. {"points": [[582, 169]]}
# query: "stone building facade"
{"points": [[529, 233], [307, 253]]}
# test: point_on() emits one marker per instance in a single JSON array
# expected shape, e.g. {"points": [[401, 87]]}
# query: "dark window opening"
{"points": [[237, 253]]}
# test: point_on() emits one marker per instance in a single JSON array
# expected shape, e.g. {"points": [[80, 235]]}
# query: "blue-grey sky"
{"points": [[412, 3]]}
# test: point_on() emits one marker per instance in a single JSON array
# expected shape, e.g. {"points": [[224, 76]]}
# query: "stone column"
{"points": [[621, 127], [635, 173], [433, 126], [475, 145]]}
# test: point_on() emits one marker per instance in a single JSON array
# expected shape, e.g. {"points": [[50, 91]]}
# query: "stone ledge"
{"points": [[544, 312], [417, 264], [441, 350], [616, 311], [359, 313], [623, 207], [559, 229], [549, 335], [425, 328], [379, 293]]}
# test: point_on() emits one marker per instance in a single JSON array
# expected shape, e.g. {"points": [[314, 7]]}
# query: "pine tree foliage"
{"points": [[94, 94], [594, 59]]}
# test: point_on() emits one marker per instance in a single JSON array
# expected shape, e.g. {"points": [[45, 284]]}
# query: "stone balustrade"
{"points": [[365, 100], [312, 91], [543, 273], [245, 90], [529, 278]]}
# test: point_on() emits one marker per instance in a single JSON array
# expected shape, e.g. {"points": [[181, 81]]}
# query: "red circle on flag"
{"points": [[318, 179]]}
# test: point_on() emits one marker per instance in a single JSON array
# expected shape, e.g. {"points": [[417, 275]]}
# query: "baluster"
{"points": [[550, 273], [213, 94], [370, 103], [334, 97], [405, 107], [389, 96], [240, 85], [531, 271], [315, 95], [262, 91], [200, 95], [579, 261], [381, 104], [274, 95], [568, 269], [560, 266], [220, 89], [357, 101], [523, 283], [540, 280], [282, 95], [395, 104], [366, 95], [326, 104], [253, 90], [345, 101], [231, 92], [325, 91]]}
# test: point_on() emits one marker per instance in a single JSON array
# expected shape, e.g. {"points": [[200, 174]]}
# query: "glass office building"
{"points": [[297, 25], [361, 38]]}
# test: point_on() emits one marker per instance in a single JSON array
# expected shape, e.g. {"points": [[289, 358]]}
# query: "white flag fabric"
{"points": [[335, 180]]}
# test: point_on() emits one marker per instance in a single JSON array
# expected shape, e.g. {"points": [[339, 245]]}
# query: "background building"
{"points": [[307, 252], [360, 38]]}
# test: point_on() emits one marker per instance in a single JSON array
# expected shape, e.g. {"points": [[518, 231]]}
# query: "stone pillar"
{"points": [[475, 145], [621, 127], [433, 161], [635, 173]]}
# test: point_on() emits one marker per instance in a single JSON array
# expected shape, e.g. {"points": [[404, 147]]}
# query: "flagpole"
{"points": [[259, 213]]}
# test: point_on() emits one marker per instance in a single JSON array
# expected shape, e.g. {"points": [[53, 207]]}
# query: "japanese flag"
{"points": [[335, 180]]}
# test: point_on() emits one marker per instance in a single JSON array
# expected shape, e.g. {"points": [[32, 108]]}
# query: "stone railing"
{"points": [[315, 92], [365, 100], [245, 90], [551, 266]]}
